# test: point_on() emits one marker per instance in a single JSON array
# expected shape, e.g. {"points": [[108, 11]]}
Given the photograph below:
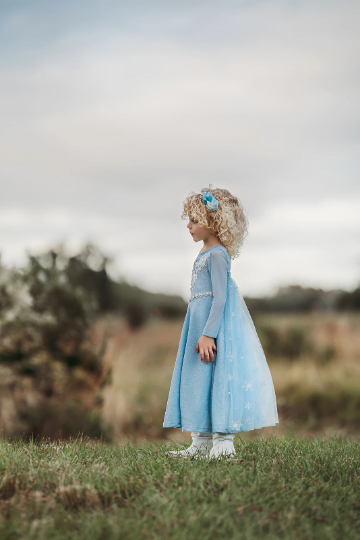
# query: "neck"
{"points": [[211, 243]]}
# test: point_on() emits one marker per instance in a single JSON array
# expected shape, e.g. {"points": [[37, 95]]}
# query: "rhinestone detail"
{"points": [[198, 295], [199, 264]]}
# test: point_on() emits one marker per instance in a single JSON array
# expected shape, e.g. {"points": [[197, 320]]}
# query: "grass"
{"points": [[287, 488]]}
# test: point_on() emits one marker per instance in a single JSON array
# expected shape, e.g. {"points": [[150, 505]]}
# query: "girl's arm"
{"points": [[218, 273]]}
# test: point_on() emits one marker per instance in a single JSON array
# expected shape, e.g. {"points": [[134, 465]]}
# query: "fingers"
{"points": [[202, 352], [206, 354]]}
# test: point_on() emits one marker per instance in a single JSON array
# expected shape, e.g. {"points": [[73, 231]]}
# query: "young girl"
{"points": [[221, 384]]}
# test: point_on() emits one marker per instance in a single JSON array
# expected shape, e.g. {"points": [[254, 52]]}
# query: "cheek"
{"points": [[197, 229]]}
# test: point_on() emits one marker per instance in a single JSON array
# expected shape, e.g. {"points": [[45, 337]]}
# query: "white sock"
{"points": [[223, 444], [201, 444]]}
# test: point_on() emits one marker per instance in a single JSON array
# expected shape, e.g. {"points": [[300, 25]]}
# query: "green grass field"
{"points": [[81, 489]]}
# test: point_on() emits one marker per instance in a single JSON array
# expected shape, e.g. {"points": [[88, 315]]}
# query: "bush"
{"points": [[295, 342], [290, 343], [136, 313], [47, 310], [325, 354]]}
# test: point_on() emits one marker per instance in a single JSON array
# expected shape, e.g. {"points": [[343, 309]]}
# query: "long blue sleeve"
{"points": [[218, 272]]}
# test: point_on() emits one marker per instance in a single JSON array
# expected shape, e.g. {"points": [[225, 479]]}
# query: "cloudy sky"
{"points": [[112, 112]]}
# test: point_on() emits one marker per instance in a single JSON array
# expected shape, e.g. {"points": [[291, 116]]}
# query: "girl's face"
{"points": [[196, 231]]}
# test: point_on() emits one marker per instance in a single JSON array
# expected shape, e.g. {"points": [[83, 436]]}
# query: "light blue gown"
{"points": [[235, 393]]}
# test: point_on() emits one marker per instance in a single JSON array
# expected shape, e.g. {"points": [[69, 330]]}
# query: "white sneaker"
{"points": [[222, 445], [201, 445]]}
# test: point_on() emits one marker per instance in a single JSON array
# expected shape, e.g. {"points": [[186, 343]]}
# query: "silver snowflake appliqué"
{"points": [[233, 314], [247, 405], [199, 264], [247, 386], [236, 425], [248, 420], [230, 356], [230, 377]]}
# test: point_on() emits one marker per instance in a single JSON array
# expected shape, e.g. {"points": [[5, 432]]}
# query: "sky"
{"points": [[113, 112]]}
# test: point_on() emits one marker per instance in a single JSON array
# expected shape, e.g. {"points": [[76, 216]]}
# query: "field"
{"points": [[298, 480], [314, 360], [284, 488]]}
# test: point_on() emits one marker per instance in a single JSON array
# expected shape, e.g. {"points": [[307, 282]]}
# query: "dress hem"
{"points": [[219, 430]]}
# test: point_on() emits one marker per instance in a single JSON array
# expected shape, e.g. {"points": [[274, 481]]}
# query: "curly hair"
{"points": [[229, 222]]}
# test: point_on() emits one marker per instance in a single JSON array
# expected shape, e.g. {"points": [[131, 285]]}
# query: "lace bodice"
{"points": [[209, 278]]}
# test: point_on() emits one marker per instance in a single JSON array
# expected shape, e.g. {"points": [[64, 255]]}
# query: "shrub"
{"points": [[289, 343], [46, 314]]}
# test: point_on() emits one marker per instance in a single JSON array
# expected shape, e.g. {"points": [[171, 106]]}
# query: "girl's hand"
{"points": [[205, 346]]}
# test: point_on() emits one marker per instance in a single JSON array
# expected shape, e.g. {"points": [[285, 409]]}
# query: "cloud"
{"points": [[112, 114]]}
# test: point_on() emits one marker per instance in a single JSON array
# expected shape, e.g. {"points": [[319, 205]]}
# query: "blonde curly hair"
{"points": [[229, 222]]}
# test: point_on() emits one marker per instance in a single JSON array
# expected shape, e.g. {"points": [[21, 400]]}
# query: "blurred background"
{"points": [[111, 114]]}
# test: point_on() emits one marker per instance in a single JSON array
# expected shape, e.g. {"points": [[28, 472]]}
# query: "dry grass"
{"points": [[315, 394]]}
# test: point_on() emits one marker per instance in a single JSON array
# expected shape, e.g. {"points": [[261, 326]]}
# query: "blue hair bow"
{"points": [[209, 200]]}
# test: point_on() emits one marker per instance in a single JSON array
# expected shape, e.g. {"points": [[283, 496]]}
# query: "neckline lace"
{"points": [[218, 245]]}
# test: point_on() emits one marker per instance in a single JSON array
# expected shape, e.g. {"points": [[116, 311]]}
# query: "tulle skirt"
{"points": [[243, 391]]}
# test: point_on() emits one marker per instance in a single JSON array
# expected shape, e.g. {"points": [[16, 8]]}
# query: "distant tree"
{"points": [[46, 306], [46, 353], [349, 300], [51, 373]]}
